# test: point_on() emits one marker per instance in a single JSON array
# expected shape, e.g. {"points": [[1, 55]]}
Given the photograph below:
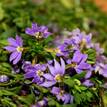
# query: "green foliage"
{"points": [[91, 56], [15, 15]]}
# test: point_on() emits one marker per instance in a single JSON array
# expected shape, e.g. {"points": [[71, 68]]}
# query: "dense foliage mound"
{"points": [[38, 74]]}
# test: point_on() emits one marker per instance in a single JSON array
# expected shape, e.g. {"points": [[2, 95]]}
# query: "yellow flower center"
{"points": [[56, 50], [61, 93], [19, 49], [58, 78], [73, 64], [83, 42], [39, 73]]}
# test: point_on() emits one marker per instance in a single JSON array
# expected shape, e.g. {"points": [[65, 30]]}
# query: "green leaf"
{"points": [[7, 102], [71, 81], [91, 56], [6, 93], [69, 105]]}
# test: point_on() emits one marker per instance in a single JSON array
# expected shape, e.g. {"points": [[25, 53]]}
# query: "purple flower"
{"points": [[36, 72], [27, 66], [88, 83], [63, 50], [15, 69], [78, 62], [81, 39], [42, 103], [101, 69], [98, 49], [56, 74], [3, 78], [62, 95], [38, 31], [15, 47]]}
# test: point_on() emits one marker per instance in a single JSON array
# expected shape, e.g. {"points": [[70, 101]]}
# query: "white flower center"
{"points": [[38, 35]]}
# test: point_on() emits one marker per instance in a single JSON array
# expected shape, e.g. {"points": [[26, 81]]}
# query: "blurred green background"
{"points": [[58, 15]]}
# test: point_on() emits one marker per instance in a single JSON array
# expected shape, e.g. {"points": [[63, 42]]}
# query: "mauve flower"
{"points": [[101, 69], [27, 66], [98, 49], [56, 74], [15, 69], [79, 63], [4, 78], [65, 48], [81, 39], [88, 83], [15, 47], [36, 72], [38, 31], [42, 103], [62, 95]]}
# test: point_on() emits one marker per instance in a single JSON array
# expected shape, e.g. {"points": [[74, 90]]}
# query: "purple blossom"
{"points": [[27, 66], [35, 72], [101, 69], [98, 49], [38, 31], [62, 95], [56, 74], [3, 78], [88, 83], [15, 47], [42, 103], [81, 39], [65, 48], [15, 69], [79, 63]]}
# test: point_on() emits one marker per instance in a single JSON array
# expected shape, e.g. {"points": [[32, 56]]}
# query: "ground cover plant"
{"points": [[38, 73]]}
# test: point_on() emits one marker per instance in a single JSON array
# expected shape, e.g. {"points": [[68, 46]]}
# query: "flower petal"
{"points": [[29, 31], [29, 74], [77, 57], [57, 67], [84, 66], [48, 76], [88, 83], [48, 83], [62, 66], [88, 74], [55, 90], [13, 56], [19, 40], [34, 26], [17, 58], [67, 98], [52, 70], [10, 48], [12, 42], [46, 34]]}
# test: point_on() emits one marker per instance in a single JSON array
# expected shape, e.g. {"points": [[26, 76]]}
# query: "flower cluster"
{"points": [[77, 55]]}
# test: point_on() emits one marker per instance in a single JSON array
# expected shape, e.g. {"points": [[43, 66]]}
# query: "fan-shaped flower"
{"points": [[38, 31], [56, 74], [35, 72], [15, 47], [62, 95], [78, 62]]}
